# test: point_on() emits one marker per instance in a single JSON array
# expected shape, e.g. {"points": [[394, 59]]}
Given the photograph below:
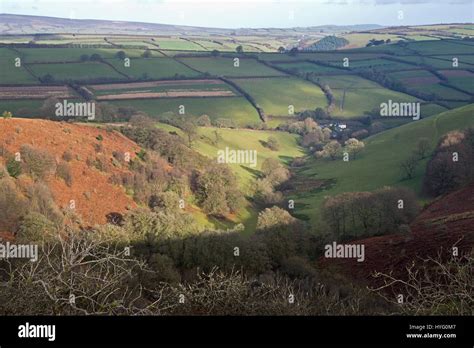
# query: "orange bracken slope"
{"points": [[93, 194]]}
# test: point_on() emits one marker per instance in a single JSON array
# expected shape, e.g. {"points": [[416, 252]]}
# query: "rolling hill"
{"points": [[379, 164]]}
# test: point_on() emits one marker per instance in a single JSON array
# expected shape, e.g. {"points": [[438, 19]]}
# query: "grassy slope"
{"points": [[11, 74], [235, 108], [76, 71], [378, 165], [155, 68], [233, 138], [225, 67], [275, 95]]}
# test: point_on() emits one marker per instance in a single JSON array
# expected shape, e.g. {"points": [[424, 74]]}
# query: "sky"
{"points": [[253, 13]]}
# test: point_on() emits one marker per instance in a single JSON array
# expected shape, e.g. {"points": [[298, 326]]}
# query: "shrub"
{"points": [[67, 156], [7, 114], [63, 170], [13, 167], [217, 192], [274, 217], [273, 144], [354, 146], [38, 163], [12, 205], [41, 201], [35, 227], [331, 150]]}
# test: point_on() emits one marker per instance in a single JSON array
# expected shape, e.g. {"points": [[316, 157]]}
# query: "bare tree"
{"points": [[432, 287]]}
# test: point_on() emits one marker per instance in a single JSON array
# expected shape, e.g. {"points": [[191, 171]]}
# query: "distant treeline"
{"points": [[328, 43]]}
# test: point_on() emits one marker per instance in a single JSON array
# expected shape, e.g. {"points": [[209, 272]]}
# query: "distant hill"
{"points": [[12, 24]]}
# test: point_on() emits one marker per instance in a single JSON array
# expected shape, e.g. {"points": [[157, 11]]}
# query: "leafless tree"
{"points": [[432, 287]]}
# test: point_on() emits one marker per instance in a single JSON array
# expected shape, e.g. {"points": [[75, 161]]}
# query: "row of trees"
{"points": [[386, 210], [334, 150]]}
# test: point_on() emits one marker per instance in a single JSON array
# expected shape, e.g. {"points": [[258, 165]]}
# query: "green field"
{"points": [[225, 67], [355, 102], [176, 44], [446, 92], [9, 73], [380, 64], [232, 138], [76, 71], [304, 67], [445, 63], [333, 57], [362, 39], [154, 68], [347, 81], [21, 108], [464, 81], [378, 165], [275, 95], [237, 109], [441, 46], [53, 55]]}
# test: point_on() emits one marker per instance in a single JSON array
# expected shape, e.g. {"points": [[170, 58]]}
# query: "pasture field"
{"points": [[466, 59], [221, 66], [362, 39], [445, 63], [237, 109], [414, 77], [460, 78], [57, 55], [446, 93], [380, 64], [153, 68], [204, 87], [132, 41], [426, 82], [378, 165], [332, 56], [254, 140], [355, 102], [347, 81], [308, 67], [21, 108], [171, 43], [275, 95], [9, 73], [444, 46], [86, 71]]}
